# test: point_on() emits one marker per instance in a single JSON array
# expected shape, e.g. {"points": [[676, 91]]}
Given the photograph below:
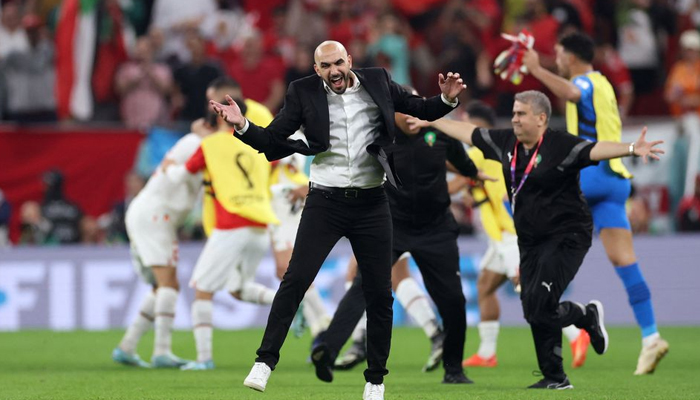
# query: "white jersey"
{"points": [[176, 197]]}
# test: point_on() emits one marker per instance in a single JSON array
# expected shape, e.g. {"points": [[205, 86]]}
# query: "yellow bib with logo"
{"points": [[603, 106], [495, 216], [237, 174]]}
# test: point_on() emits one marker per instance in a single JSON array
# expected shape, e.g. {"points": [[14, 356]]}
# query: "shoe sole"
{"points": [[254, 386], [565, 387], [466, 363], [580, 360], [428, 367], [322, 362], [569, 386], [480, 365], [601, 323], [131, 364], [349, 365]]}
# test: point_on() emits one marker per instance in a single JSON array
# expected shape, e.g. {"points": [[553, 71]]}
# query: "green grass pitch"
{"points": [[77, 365]]}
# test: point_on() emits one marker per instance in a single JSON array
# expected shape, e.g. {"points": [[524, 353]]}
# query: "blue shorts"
{"points": [[606, 193]]}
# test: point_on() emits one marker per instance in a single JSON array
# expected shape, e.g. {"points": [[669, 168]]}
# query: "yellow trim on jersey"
{"points": [[607, 117], [495, 217]]}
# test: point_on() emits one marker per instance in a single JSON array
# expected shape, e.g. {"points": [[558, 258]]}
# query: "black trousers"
{"points": [[366, 221], [435, 250], [545, 272]]}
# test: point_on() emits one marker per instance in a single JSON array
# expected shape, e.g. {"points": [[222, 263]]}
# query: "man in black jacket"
{"points": [[424, 226], [347, 118]]}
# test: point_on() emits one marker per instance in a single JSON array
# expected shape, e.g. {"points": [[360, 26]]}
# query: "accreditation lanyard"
{"points": [[513, 190]]}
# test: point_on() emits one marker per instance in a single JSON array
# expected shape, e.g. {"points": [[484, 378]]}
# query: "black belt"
{"points": [[351, 193]]}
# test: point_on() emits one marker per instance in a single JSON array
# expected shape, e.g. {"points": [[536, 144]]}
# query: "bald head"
{"points": [[332, 63], [329, 47]]}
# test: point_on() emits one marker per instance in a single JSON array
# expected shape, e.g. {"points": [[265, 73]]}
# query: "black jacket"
{"points": [[305, 104], [420, 161]]}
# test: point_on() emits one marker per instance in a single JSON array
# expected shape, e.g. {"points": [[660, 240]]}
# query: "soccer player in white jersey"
{"points": [[238, 197], [152, 220]]}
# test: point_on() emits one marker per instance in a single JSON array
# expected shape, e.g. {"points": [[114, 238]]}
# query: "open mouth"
{"points": [[337, 82]]}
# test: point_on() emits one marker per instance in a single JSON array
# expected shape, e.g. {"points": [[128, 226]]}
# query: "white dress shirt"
{"points": [[355, 123]]}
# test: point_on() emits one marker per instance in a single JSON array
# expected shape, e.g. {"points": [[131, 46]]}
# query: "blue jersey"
{"points": [[595, 117]]}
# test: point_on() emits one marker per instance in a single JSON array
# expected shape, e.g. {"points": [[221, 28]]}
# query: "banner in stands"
{"points": [[93, 162], [95, 288]]}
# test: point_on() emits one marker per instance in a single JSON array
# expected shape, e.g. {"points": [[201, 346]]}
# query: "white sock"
{"points": [[256, 293], [649, 340], [202, 328], [166, 299], [358, 334], [416, 304], [141, 324], [571, 332], [488, 333], [314, 311]]}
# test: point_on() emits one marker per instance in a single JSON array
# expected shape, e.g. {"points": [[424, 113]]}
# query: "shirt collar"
{"points": [[352, 89]]}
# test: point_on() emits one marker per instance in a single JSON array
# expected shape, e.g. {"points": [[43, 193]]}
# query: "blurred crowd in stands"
{"points": [[145, 65], [147, 62]]}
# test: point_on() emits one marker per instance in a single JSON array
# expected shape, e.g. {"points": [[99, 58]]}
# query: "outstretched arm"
{"points": [[561, 87], [431, 108], [641, 148], [272, 139], [459, 130]]}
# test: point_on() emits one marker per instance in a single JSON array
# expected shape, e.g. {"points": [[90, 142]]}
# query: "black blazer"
{"points": [[306, 104]]}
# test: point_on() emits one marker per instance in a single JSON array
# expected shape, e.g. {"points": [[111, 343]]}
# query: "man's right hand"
{"points": [[230, 113]]}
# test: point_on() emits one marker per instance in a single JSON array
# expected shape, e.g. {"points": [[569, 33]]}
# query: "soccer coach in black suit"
{"points": [[348, 121]]}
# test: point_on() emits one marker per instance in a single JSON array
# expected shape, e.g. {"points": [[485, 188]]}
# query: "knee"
{"points": [[295, 282], [622, 257], [483, 288], [542, 318], [382, 295], [536, 313], [452, 301]]}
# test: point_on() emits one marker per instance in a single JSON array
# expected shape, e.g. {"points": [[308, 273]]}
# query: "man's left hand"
{"points": [[451, 86], [645, 149]]}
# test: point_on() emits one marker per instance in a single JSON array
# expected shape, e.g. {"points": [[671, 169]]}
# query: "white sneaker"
{"points": [[258, 376], [650, 357], [373, 392]]}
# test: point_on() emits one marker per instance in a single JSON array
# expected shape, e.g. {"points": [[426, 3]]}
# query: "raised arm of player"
{"points": [[562, 88]]}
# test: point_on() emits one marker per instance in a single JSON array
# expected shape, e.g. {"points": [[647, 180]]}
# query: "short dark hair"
{"points": [[481, 110], [580, 45], [224, 82]]}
